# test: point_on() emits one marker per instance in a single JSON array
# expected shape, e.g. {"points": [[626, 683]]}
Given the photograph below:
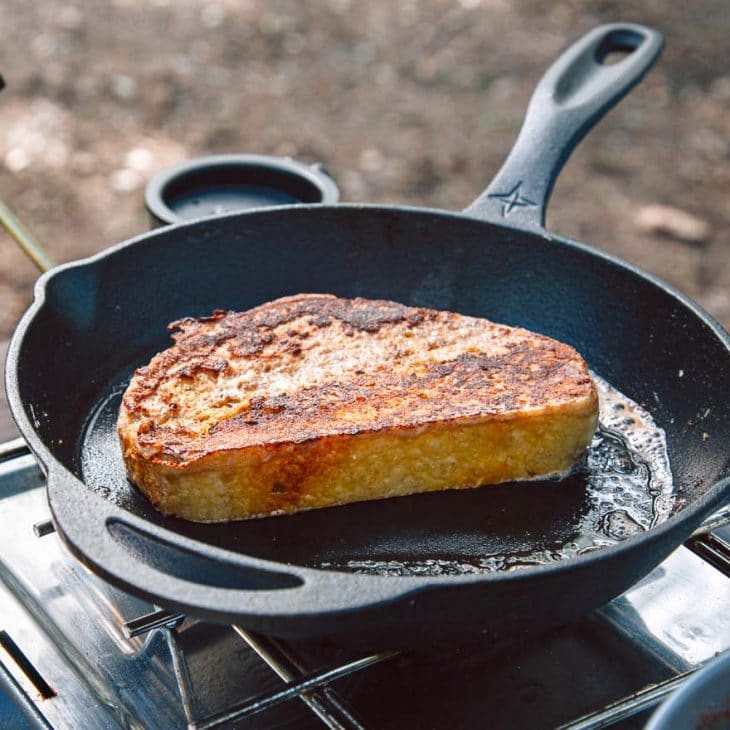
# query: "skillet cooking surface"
{"points": [[455, 532], [458, 525]]}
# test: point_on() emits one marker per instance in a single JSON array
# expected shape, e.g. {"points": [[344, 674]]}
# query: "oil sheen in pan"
{"points": [[622, 487], [628, 487]]}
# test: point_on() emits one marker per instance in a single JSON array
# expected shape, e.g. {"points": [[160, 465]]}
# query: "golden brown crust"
{"points": [[333, 470], [312, 366]]}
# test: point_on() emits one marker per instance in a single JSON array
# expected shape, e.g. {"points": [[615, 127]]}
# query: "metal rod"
{"points": [[718, 519], [182, 675], [43, 528], [712, 549], [14, 689], [325, 703], [628, 707], [14, 652], [11, 449], [24, 238], [318, 679], [155, 620]]}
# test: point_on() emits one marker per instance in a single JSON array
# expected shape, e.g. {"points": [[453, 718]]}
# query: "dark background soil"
{"points": [[414, 102]]}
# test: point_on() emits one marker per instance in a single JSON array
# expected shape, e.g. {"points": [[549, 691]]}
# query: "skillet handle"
{"points": [[182, 574], [575, 92]]}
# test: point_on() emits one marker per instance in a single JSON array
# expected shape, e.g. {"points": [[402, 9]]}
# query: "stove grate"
{"points": [[313, 688], [312, 682]]}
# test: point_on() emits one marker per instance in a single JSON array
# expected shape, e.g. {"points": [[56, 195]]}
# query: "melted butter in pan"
{"points": [[628, 489]]}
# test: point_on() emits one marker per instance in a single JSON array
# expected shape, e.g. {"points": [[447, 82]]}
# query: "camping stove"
{"points": [[76, 652]]}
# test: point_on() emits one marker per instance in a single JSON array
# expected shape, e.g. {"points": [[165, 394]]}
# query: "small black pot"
{"points": [[227, 183]]}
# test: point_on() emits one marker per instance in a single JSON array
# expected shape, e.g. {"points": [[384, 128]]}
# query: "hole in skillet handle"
{"points": [[218, 184], [607, 69], [616, 46]]}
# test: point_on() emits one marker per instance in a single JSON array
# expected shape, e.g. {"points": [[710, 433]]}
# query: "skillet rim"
{"points": [[715, 495]]}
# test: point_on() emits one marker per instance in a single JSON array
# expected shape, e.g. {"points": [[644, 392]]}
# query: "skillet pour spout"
{"points": [[94, 321]]}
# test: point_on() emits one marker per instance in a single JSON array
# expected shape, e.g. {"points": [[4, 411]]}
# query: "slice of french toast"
{"points": [[313, 400]]}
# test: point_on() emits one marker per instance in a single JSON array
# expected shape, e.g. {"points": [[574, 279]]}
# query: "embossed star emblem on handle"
{"points": [[513, 199]]}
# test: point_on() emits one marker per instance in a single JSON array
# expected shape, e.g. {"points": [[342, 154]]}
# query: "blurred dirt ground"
{"points": [[406, 101]]}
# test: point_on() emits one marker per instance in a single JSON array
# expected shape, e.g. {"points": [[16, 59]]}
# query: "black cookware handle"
{"points": [[180, 573], [577, 90]]}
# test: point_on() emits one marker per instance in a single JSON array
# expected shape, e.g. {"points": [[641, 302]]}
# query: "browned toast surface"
{"points": [[245, 388]]}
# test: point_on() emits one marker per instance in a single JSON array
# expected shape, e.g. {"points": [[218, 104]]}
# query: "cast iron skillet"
{"points": [[94, 321]]}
